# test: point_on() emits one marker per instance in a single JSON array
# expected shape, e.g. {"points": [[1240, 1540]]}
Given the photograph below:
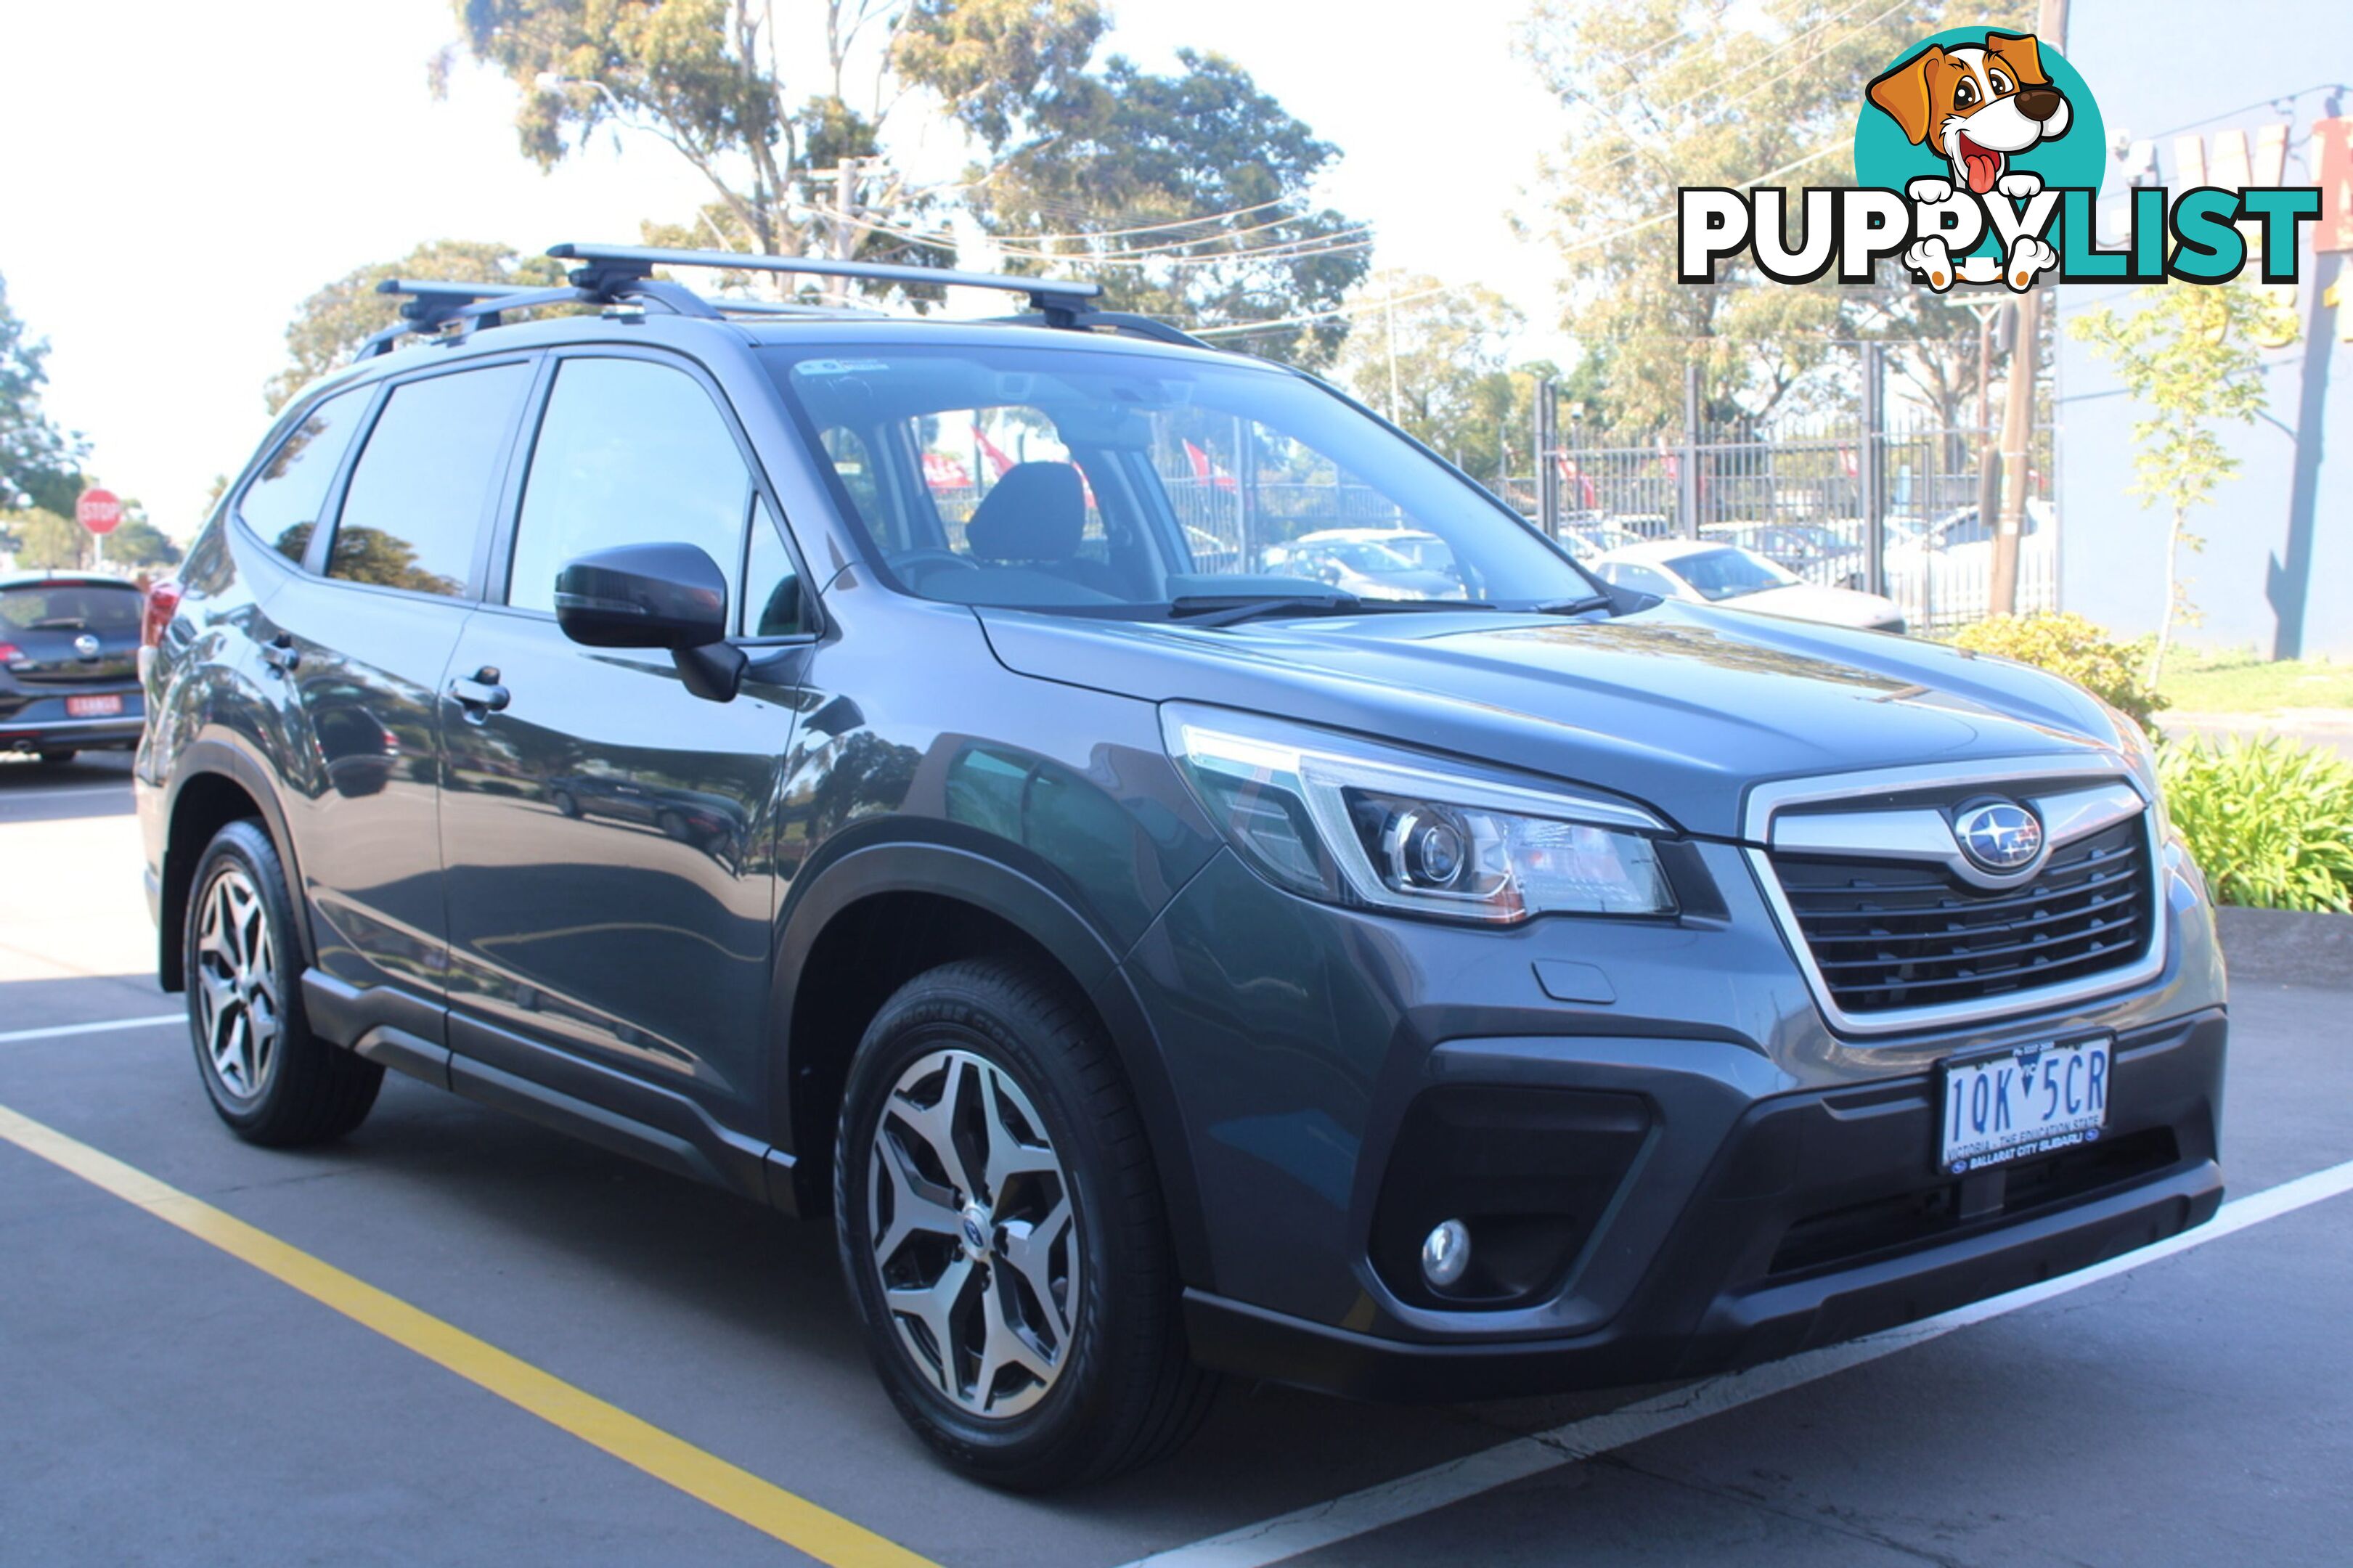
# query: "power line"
{"points": [[1588, 242]]}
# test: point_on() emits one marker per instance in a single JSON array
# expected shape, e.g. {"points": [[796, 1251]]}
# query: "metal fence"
{"points": [[1863, 500]]}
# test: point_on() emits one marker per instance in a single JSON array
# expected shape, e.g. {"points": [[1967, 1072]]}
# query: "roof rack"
{"points": [[623, 275], [432, 303], [606, 265]]}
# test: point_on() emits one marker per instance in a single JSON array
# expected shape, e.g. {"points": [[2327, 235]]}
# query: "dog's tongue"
{"points": [[1984, 167]]}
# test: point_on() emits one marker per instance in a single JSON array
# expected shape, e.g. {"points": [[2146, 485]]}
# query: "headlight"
{"points": [[1351, 821]]}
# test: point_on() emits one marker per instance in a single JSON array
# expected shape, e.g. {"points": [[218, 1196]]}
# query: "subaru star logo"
{"points": [[974, 1236], [87, 646], [1999, 835]]}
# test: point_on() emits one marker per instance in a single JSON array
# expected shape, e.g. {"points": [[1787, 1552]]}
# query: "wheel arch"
{"points": [[215, 783], [866, 922]]}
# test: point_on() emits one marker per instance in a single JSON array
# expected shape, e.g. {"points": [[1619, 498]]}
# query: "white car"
{"points": [[1945, 573], [1371, 563], [1711, 573]]}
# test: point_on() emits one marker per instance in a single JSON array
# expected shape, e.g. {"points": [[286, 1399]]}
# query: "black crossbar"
{"points": [[605, 265]]}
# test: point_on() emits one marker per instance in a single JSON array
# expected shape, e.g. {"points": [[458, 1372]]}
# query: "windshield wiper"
{"points": [[1574, 606], [1226, 609]]}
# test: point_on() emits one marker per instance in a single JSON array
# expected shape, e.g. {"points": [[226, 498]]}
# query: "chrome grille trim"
{"points": [[2081, 786]]}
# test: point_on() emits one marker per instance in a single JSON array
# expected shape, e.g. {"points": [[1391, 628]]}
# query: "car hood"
{"points": [[1681, 707]]}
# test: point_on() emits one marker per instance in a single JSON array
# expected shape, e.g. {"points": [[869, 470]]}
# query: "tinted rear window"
{"points": [[414, 505], [72, 607]]}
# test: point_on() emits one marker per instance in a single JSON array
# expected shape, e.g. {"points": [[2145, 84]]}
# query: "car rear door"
{"points": [[607, 834], [363, 639]]}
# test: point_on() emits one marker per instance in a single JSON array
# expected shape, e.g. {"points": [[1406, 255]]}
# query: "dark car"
{"points": [[69, 664], [1149, 970]]}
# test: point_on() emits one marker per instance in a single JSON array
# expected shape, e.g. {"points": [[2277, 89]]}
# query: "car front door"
{"points": [[360, 639], [607, 834]]}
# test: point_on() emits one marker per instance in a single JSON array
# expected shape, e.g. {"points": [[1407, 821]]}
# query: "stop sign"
{"points": [[98, 511]]}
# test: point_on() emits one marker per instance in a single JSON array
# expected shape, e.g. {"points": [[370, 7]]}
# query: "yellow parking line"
{"points": [[765, 1506]]}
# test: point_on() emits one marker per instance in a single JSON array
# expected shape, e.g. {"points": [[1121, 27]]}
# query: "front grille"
{"points": [[1901, 933]]}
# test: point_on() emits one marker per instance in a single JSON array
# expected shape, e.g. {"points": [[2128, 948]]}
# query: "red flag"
{"points": [[989, 449], [943, 472], [1205, 470]]}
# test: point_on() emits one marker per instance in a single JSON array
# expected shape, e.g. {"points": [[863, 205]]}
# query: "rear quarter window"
{"points": [[281, 505]]}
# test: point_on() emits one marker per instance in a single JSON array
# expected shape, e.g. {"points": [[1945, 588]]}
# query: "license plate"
{"points": [[94, 707], [2025, 1101]]}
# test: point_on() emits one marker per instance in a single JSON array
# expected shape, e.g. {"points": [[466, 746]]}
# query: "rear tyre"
{"points": [[57, 759], [270, 1078], [1001, 1227]]}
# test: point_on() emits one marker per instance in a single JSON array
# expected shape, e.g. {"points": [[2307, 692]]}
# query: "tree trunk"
{"points": [[2172, 598]]}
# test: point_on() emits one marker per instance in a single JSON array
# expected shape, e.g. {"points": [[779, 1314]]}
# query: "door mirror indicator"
{"points": [[670, 596]]}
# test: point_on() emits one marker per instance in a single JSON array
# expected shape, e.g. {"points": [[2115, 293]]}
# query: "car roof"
{"points": [[1658, 552], [1362, 536]]}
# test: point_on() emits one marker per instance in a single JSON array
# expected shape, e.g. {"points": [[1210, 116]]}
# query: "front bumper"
{"points": [[1714, 1174], [1821, 1218]]}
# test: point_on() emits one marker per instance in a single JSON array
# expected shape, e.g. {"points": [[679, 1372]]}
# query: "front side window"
{"points": [[282, 503], [1097, 481], [414, 507], [772, 584], [1641, 579], [629, 452]]}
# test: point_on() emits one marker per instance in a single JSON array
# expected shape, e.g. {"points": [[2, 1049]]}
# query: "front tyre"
{"points": [[270, 1078], [1001, 1228]]}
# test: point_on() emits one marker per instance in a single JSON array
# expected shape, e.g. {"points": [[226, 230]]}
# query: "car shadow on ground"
{"points": [[95, 783]]}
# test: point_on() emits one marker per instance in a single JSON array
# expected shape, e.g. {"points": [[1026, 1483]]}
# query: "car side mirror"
{"points": [[670, 596]]}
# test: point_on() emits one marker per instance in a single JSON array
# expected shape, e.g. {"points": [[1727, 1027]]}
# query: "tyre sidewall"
{"points": [[960, 1009], [244, 845]]}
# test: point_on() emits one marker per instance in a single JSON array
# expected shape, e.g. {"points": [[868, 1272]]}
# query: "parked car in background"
{"points": [[1814, 552], [1945, 572], [1382, 563], [1587, 541], [68, 664], [1704, 572]]}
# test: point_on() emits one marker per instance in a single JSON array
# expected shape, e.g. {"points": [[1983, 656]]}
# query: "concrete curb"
{"points": [[2284, 947]]}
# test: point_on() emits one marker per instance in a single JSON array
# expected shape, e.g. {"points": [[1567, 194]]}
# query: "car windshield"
{"points": [[1093, 480], [98, 607], [1725, 573]]}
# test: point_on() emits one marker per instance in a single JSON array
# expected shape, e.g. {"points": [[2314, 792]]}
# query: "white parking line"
{"points": [[61, 1030], [9, 795], [1323, 1524]]}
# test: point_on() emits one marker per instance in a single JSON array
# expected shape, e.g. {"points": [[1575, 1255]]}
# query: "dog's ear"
{"points": [[2021, 54], [1903, 93]]}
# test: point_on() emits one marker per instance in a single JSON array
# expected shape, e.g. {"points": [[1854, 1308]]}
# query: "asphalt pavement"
{"points": [[185, 1377]]}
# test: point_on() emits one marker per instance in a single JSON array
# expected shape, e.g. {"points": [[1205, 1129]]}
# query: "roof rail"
{"points": [[608, 267]]}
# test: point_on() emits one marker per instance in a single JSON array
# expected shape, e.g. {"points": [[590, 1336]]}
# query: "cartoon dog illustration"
{"points": [[1977, 107]]}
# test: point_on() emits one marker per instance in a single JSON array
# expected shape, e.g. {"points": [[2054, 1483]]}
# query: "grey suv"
{"points": [[868, 765]]}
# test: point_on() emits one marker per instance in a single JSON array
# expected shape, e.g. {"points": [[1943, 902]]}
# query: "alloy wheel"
{"points": [[973, 1234], [237, 985]]}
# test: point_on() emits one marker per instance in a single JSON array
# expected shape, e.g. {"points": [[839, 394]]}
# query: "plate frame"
{"points": [[1997, 1159]]}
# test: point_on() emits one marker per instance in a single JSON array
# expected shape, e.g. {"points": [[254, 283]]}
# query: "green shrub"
{"points": [[2270, 822], [2072, 647]]}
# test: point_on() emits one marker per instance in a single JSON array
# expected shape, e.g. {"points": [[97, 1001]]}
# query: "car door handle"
{"points": [[480, 695], [281, 654]]}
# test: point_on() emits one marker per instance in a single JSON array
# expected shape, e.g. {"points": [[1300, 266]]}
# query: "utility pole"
{"points": [[845, 197], [2018, 410], [1390, 313]]}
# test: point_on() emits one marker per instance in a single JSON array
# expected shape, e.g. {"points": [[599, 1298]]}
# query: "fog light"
{"points": [[1446, 1253]]}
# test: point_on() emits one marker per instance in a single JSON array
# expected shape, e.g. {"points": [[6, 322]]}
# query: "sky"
{"points": [[175, 178]]}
